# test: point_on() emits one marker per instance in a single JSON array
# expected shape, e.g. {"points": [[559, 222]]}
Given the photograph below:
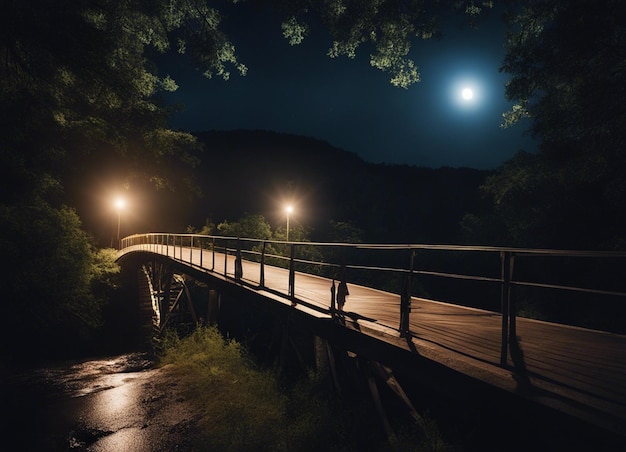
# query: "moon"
{"points": [[467, 93]]}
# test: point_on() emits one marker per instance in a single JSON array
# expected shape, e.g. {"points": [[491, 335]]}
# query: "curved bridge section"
{"points": [[162, 292], [453, 310]]}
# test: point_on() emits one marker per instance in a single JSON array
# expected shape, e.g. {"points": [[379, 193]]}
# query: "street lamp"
{"points": [[120, 203], [289, 210]]}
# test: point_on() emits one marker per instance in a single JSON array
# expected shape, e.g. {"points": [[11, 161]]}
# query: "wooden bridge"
{"points": [[386, 293]]}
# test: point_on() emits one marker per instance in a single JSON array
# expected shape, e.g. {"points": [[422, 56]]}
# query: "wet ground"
{"points": [[121, 403]]}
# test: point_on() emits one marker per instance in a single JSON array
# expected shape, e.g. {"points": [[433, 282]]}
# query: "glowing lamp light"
{"points": [[120, 203]]}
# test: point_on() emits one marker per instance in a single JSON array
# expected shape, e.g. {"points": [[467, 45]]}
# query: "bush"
{"points": [[56, 283], [245, 408]]}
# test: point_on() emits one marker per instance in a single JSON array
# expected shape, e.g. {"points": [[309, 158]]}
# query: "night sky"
{"points": [[353, 106]]}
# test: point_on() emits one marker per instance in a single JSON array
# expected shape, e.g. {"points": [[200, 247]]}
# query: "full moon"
{"points": [[467, 93]]}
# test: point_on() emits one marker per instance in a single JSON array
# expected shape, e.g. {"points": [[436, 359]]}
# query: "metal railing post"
{"points": [[201, 253], [505, 292], [405, 298], [342, 287], [512, 303], [225, 257], [333, 292], [262, 271], [191, 249], [238, 264], [292, 273]]}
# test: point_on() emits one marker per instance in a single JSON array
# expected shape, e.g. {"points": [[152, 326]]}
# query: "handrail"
{"points": [[402, 273]]}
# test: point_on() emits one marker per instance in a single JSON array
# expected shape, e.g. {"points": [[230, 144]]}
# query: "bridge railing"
{"points": [[548, 284]]}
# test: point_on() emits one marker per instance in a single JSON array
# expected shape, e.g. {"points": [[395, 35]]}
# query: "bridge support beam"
{"points": [[325, 362], [371, 382], [213, 307], [171, 298]]}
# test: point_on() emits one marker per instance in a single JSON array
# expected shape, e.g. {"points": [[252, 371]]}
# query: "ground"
{"points": [[121, 403]]}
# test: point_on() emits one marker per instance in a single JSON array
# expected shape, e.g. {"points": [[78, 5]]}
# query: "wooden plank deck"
{"points": [[580, 371]]}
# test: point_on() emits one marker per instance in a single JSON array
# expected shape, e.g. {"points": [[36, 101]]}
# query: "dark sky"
{"points": [[353, 106]]}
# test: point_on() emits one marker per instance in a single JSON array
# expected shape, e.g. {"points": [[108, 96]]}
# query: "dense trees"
{"points": [[567, 61], [251, 226], [387, 28], [55, 282], [76, 97], [78, 88]]}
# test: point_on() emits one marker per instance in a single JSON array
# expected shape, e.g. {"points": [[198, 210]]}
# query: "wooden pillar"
{"points": [[371, 382], [284, 343], [164, 300], [213, 307], [325, 362], [190, 307]]}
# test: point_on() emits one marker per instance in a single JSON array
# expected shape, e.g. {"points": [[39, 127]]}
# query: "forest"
{"points": [[80, 109]]}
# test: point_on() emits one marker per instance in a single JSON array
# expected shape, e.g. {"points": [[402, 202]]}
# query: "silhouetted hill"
{"points": [[249, 172]]}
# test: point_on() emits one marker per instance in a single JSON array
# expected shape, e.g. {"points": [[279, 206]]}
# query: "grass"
{"points": [[245, 407]]}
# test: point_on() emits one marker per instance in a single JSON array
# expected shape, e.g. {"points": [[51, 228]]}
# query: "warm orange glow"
{"points": [[289, 209], [120, 203]]}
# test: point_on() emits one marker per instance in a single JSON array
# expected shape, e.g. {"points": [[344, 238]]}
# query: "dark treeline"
{"points": [[258, 172]]}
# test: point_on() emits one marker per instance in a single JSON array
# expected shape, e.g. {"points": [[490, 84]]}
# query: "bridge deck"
{"points": [[573, 369]]}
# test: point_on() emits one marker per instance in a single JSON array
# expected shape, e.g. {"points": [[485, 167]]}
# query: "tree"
{"points": [[56, 283], [79, 97], [251, 226], [342, 231], [208, 228], [388, 27], [77, 82], [568, 75]]}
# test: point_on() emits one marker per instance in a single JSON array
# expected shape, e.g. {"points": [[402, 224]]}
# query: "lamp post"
{"points": [[288, 209], [119, 206]]}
